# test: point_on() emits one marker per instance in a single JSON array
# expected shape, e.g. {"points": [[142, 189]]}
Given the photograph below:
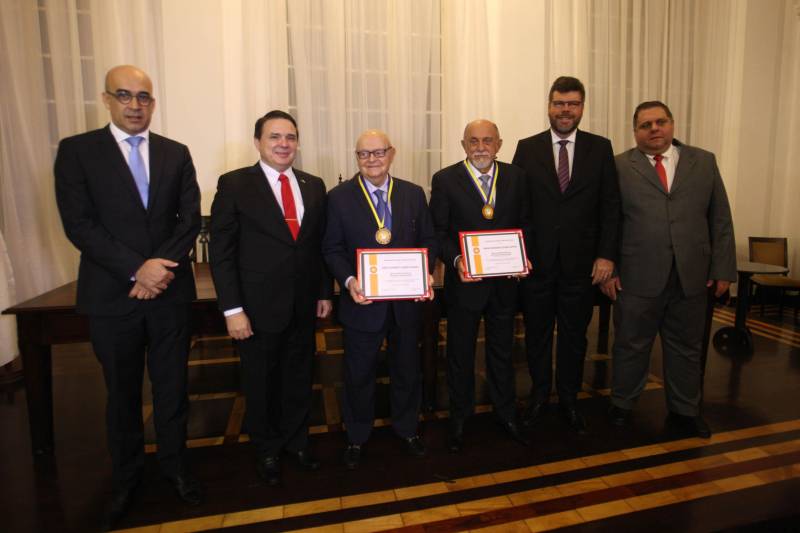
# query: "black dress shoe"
{"points": [[512, 430], [304, 459], [692, 425], [532, 413], [188, 488], [352, 456], [574, 418], [618, 416], [121, 500], [268, 468], [414, 446], [455, 437]]}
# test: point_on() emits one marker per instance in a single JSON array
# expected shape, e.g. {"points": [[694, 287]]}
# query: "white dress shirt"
{"points": [[125, 147], [273, 179], [275, 184], [670, 162]]}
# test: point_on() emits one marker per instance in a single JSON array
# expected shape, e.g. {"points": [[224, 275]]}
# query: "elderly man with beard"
{"points": [[460, 196], [575, 205]]}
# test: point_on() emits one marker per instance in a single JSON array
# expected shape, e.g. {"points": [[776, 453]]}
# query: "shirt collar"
{"points": [[571, 138], [477, 172], [273, 175], [120, 135], [372, 188], [669, 153]]}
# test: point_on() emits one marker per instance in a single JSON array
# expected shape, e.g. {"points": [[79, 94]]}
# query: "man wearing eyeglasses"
{"points": [[377, 210], [129, 201], [267, 222], [677, 243], [574, 195]]}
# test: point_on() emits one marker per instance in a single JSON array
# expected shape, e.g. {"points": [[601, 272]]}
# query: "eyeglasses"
{"points": [[124, 97], [661, 122], [380, 153], [572, 104]]}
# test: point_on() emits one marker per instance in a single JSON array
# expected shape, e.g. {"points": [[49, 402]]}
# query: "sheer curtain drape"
{"points": [[466, 84], [358, 64], [628, 51], [40, 256], [256, 77]]}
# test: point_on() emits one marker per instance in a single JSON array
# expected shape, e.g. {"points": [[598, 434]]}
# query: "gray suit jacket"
{"points": [[692, 224]]}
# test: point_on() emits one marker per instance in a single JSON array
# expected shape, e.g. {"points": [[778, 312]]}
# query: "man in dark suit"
{"points": [[677, 241], [267, 223], [129, 202], [572, 244], [460, 196], [362, 213]]}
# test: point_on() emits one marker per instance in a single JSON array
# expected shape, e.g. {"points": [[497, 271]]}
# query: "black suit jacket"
{"points": [[456, 206], [570, 230], [255, 262], [351, 225], [105, 219]]}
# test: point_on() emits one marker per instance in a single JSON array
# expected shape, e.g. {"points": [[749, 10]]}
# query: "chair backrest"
{"points": [[769, 250]]}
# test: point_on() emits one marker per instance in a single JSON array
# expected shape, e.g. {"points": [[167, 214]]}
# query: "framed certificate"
{"points": [[393, 273], [493, 253]]}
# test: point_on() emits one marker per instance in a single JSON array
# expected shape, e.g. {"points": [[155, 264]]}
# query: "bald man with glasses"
{"points": [[129, 201], [377, 210]]}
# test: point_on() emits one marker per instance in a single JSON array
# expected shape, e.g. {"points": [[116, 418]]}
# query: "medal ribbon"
{"points": [[477, 182], [372, 203]]}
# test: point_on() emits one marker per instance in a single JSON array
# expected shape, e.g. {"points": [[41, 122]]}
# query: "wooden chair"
{"points": [[772, 251], [202, 241]]}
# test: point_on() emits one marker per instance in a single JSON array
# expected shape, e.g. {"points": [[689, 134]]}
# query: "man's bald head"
{"points": [[481, 143], [125, 82], [374, 168]]}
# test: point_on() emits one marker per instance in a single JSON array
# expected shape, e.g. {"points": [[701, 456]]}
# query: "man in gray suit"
{"points": [[676, 241]]}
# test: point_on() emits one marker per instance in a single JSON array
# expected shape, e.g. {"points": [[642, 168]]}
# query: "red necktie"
{"points": [[289, 211], [661, 171]]}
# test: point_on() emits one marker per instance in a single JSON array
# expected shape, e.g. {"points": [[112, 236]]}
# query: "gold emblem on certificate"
{"points": [[383, 236], [488, 212]]}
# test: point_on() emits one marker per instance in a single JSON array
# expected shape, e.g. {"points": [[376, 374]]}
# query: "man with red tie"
{"points": [[267, 223], [676, 241]]}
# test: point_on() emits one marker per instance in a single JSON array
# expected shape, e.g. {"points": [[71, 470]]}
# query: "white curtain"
{"points": [[40, 255], [256, 77], [629, 51], [8, 324], [358, 64], [466, 74]]}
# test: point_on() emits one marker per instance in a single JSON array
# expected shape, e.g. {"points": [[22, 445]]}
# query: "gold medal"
{"points": [[488, 200], [383, 236]]}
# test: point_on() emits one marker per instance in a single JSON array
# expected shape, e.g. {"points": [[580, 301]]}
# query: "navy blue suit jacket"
{"points": [[105, 219], [351, 225]]}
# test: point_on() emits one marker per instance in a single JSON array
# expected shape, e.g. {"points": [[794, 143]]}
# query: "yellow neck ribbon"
{"points": [[372, 203], [477, 181]]}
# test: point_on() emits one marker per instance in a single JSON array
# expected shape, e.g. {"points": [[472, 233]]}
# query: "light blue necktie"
{"points": [[383, 213], [138, 168]]}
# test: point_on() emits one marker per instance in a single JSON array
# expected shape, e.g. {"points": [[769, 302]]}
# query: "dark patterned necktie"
{"points": [[563, 166]]}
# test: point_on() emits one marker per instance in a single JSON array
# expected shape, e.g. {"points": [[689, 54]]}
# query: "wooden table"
{"points": [[51, 319], [738, 336]]}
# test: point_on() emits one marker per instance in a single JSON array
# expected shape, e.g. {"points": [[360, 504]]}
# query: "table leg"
{"points": [[38, 372], [737, 337]]}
